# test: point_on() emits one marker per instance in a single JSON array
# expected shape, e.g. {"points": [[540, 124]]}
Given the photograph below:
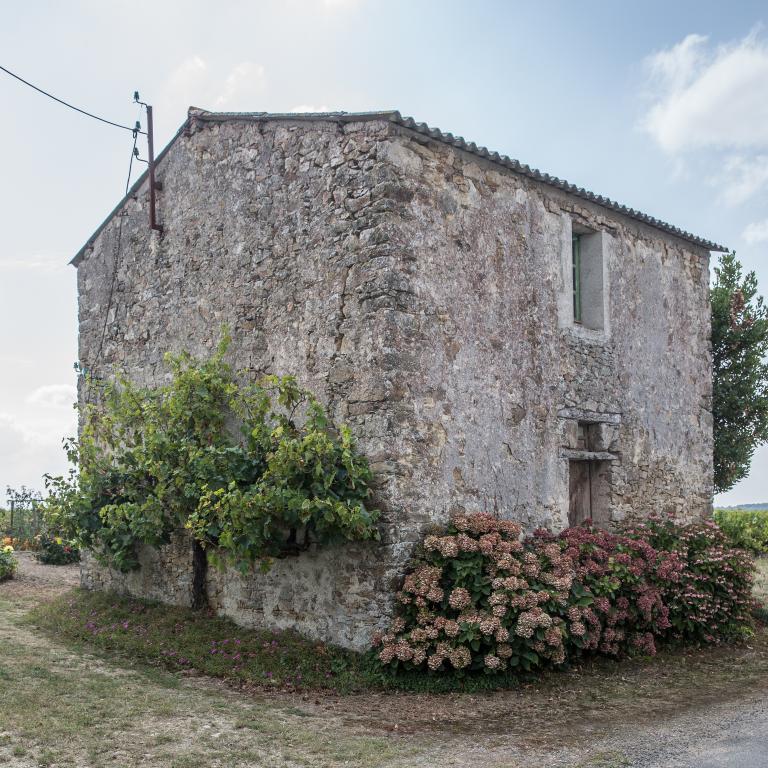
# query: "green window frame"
{"points": [[576, 259]]}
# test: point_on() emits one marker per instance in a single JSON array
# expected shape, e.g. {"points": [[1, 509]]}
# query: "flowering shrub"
{"points": [[480, 599], [625, 610], [53, 550], [8, 562], [19, 544], [710, 599]]}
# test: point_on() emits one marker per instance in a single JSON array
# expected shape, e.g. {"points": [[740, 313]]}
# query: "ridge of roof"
{"points": [[394, 116]]}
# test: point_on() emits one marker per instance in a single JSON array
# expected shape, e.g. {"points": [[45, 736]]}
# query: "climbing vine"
{"points": [[253, 470]]}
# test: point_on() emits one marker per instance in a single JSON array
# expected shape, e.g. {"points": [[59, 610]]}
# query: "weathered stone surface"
{"points": [[165, 573], [320, 594], [423, 294]]}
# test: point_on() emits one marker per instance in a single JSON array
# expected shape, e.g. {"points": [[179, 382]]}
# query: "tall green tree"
{"points": [[740, 371]]}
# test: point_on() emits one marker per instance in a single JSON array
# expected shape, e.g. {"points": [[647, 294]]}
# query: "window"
{"points": [[588, 295], [576, 261]]}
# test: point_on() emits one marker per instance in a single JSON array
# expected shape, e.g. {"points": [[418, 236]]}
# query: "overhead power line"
{"points": [[67, 104]]}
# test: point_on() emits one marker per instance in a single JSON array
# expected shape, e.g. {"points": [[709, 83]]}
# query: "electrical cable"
{"points": [[134, 153], [67, 104], [117, 249], [116, 253], [130, 165]]}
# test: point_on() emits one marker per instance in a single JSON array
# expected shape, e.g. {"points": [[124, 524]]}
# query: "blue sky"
{"points": [[661, 106]]}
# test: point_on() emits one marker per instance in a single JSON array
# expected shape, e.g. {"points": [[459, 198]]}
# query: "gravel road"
{"points": [[732, 735]]}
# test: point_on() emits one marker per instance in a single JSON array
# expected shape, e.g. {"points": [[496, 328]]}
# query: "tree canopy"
{"points": [[740, 371]]}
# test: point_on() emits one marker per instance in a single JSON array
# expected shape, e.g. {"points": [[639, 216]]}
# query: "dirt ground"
{"points": [[64, 706], [37, 581]]}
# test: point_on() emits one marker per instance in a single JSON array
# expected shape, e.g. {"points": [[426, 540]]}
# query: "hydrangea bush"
{"points": [[478, 598], [710, 599], [8, 562]]}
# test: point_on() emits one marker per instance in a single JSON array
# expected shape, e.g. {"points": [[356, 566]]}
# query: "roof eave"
{"points": [[131, 193], [409, 123]]}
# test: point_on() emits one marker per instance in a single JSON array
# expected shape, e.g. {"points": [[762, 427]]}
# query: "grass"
{"points": [[61, 706], [182, 640], [114, 698], [760, 590], [104, 695], [178, 639]]}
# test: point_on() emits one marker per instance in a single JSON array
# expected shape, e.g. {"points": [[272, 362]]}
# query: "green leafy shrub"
{"points": [[745, 528], [8, 562], [479, 599], [252, 470], [54, 550]]}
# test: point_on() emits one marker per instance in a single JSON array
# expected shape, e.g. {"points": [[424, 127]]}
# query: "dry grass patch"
{"points": [[68, 708], [761, 580], [62, 705], [68, 702]]}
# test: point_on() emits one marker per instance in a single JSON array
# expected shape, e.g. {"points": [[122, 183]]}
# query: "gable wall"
{"points": [[281, 231]]}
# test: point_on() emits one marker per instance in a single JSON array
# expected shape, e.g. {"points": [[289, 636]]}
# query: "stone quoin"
{"points": [[496, 338]]}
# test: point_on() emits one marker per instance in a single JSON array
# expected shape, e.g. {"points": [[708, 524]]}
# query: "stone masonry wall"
{"points": [[496, 370], [281, 231], [418, 291]]}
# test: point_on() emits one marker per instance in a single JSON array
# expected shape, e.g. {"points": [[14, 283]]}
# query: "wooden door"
{"points": [[580, 492]]}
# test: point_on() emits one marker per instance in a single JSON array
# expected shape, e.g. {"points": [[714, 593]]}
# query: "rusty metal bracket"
{"points": [[153, 185]]}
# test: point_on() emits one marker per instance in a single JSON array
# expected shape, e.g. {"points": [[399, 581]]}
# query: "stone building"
{"points": [[497, 338]]}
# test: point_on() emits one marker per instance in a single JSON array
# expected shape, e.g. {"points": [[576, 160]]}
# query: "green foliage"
{"points": [[740, 371], [8, 562], [53, 550], [181, 639], [310, 479], [746, 529], [252, 470]]}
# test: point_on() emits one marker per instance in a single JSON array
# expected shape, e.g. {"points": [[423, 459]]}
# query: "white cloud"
{"points": [[304, 108], [757, 232], [42, 262], [241, 86], [12, 435], [194, 83], [187, 76], [741, 178], [26, 453], [676, 67], [705, 97], [53, 396]]}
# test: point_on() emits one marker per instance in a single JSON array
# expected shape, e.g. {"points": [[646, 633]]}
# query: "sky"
{"points": [[661, 106]]}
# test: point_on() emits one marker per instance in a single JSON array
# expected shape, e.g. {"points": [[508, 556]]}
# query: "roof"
{"points": [[393, 116]]}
